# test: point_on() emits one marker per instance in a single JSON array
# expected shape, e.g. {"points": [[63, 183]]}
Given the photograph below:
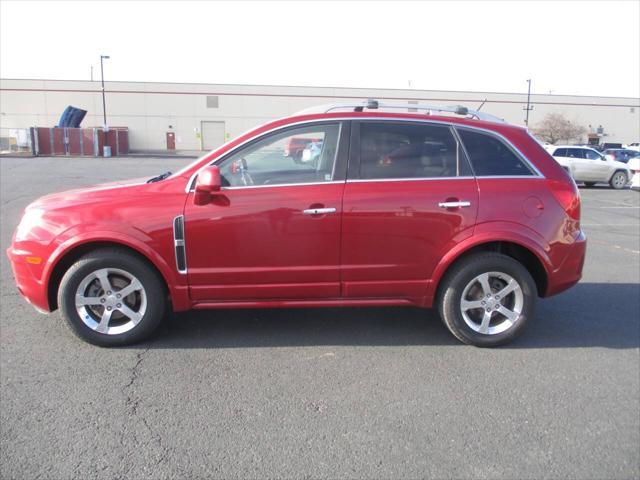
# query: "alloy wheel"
{"points": [[492, 303], [111, 301]]}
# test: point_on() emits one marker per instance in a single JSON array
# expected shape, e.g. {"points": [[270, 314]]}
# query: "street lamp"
{"points": [[104, 104], [529, 107]]}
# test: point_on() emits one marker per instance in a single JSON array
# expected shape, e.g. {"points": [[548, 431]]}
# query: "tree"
{"points": [[555, 127]]}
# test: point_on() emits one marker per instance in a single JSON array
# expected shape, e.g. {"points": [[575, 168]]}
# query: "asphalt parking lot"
{"points": [[333, 393]]}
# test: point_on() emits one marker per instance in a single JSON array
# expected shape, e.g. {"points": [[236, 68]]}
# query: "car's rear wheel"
{"points": [[110, 297], [487, 299], [618, 180]]}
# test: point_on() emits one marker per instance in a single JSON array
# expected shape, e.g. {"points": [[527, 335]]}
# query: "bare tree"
{"points": [[555, 127]]}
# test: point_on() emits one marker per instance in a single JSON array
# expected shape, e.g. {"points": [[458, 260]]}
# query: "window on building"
{"points": [[393, 150], [212, 101], [490, 156]]}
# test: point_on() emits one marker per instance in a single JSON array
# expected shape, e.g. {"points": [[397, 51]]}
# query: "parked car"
{"points": [[633, 146], [634, 165], [589, 166], [621, 154], [466, 214], [295, 147]]}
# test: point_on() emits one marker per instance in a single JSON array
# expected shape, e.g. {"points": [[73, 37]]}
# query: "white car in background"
{"points": [[634, 165], [633, 146], [590, 166]]}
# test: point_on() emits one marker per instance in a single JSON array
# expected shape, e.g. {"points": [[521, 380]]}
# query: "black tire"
{"points": [[464, 272], [113, 258], [618, 185], [589, 184]]}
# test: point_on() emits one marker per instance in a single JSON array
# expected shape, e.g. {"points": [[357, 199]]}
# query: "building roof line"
{"points": [[329, 87], [285, 95]]}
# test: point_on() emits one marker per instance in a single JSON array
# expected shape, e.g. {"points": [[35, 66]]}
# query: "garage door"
{"points": [[212, 135]]}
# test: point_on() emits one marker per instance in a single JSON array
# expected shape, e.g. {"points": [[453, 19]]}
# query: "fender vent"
{"points": [[178, 242]]}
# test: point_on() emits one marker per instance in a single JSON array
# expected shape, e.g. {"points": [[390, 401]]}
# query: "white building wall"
{"points": [[149, 109]]}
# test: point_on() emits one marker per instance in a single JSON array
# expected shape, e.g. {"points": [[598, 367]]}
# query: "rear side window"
{"points": [[394, 150], [560, 152], [490, 156], [575, 153]]}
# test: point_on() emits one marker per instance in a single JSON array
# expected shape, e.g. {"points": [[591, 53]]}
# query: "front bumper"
{"points": [[570, 272], [27, 277]]}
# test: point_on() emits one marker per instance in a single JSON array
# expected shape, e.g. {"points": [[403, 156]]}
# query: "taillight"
{"points": [[567, 195]]}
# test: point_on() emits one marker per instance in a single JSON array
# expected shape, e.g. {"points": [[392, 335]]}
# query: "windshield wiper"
{"points": [[159, 177]]}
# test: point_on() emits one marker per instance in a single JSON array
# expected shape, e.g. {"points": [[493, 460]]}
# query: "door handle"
{"points": [[457, 204], [318, 211]]}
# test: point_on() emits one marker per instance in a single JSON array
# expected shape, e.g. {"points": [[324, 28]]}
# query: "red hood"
{"points": [[89, 194]]}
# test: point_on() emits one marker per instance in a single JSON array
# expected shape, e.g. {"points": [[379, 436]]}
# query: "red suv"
{"points": [[462, 212]]}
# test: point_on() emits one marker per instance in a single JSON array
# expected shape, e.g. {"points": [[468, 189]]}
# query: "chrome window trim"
{"points": [[409, 179], [190, 183], [242, 187]]}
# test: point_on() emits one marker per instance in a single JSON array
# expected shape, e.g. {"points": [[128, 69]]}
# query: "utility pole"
{"points": [[92, 73], [104, 103], [529, 107]]}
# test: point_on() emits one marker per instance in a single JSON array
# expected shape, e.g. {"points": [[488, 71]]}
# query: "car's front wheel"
{"points": [[618, 180], [487, 299], [110, 297]]}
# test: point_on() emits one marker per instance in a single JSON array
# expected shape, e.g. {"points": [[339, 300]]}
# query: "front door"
{"points": [[409, 198], [273, 231]]}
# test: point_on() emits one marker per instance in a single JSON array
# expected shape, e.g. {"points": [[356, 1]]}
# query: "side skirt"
{"points": [[338, 302]]}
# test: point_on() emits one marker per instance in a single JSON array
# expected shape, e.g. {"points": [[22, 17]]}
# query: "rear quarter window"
{"points": [[490, 156]]}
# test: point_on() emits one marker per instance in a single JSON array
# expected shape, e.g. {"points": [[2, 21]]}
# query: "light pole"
{"points": [[104, 103], [528, 108]]}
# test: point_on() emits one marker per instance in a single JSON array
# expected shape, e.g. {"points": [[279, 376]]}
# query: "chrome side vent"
{"points": [[178, 242]]}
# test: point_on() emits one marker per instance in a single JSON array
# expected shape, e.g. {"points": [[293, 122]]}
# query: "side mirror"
{"points": [[207, 184]]}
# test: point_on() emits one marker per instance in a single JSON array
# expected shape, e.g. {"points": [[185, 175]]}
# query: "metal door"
{"points": [[212, 135]]}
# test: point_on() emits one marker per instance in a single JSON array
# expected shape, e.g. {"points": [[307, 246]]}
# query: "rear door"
{"points": [[409, 198], [588, 165]]}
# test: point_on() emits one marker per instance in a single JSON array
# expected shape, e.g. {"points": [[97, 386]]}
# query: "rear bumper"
{"points": [[27, 279], [570, 272]]}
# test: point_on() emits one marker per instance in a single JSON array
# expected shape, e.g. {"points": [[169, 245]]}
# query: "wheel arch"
{"points": [[527, 255], [72, 253]]}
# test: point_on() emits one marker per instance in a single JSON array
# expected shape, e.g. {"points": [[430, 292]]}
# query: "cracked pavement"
{"points": [[325, 393]]}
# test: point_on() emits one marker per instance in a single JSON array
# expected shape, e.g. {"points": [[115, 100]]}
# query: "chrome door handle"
{"points": [[318, 211], [454, 204]]}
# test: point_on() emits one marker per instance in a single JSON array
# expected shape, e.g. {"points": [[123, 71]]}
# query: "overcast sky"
{"points": [[585, 48]]}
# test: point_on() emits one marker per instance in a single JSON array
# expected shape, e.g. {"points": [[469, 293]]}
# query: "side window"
{"points": [[394, 150], [575, 153], [591, 155], [490, 156], [560, 152], [300, 155]]}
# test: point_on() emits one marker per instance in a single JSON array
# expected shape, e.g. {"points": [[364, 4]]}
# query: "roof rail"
{"points": [[371, 104]]}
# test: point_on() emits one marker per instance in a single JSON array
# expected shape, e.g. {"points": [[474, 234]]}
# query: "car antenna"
{"points": [[481, 105]]}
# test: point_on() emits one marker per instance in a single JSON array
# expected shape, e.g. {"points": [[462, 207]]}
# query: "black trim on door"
{"points": [[342, 158]]}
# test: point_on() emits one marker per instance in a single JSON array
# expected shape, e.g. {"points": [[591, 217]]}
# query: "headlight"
{"points": [[32, 218]]}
